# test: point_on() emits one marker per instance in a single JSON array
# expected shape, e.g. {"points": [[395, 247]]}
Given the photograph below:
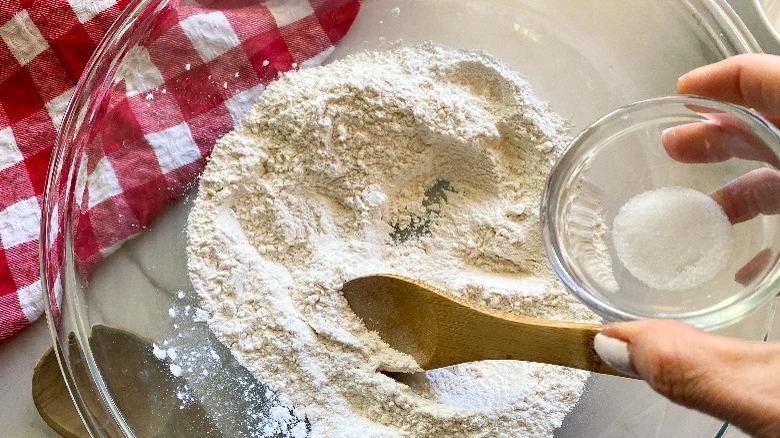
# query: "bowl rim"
{"points": [[765, 21], [712, 318], [110, 46]]}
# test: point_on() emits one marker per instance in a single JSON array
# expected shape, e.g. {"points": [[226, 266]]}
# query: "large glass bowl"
{"points": [[584, 58], [768, 12]]}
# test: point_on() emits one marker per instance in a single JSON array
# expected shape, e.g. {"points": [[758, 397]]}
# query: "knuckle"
{"points": [[675, 375]]}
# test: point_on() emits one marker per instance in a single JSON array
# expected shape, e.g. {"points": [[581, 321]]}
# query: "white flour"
{"points": [[420, 161]]}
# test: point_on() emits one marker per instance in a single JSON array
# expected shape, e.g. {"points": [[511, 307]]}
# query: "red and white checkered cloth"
{"points": [[168, 110]]}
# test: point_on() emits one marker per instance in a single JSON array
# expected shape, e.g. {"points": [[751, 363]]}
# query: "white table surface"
{"points": [[18, 356]]}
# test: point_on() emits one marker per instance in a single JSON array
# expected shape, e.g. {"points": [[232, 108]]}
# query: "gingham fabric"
{"points": [[225, 57]]}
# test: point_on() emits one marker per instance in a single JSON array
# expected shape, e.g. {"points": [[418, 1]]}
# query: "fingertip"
{"points": [[698, 142], [697, 81], [753, 268], [624, 331], [686, 84], [613, 330], [747, 79], [671, 143]]}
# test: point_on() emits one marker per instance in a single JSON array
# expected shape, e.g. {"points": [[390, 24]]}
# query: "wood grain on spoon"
{"points": [[439, 329]]}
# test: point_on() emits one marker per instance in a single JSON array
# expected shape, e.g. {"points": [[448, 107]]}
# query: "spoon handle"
{"points": [[468, 332]]}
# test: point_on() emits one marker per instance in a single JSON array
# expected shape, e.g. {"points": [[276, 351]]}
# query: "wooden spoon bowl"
{"points": [[439, 329]]}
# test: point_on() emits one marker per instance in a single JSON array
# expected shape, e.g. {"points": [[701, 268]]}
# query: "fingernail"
{"points": [[693, 72], [666, 134], [615, 353]]}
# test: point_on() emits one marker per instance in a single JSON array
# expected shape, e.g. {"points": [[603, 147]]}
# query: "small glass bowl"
{"points": [[716, 148]]}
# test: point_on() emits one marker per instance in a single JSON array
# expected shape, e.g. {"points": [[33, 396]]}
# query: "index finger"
{"points": [[751, 80], [718, 139]]}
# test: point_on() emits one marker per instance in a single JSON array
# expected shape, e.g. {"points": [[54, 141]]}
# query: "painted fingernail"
{"points": [[615, 353]]}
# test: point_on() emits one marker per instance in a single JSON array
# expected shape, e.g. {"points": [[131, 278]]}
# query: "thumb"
{"points": [[734, 380]]}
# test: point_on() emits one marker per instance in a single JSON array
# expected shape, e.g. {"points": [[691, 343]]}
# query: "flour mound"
{"points": [[421, 161]]}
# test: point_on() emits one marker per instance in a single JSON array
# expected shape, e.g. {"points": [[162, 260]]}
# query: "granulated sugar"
{"points": [[420, 161], [672, 238]]}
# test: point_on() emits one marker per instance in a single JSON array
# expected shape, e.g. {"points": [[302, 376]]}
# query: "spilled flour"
{"points": [[421, 161]]}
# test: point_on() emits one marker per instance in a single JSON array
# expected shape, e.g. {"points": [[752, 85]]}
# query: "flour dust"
{"points": [[421, 161]]}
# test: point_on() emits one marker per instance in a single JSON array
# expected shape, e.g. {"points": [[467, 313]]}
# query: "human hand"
{"points": [[732, 379], [748, 80], [752, 81], [735, 380]]}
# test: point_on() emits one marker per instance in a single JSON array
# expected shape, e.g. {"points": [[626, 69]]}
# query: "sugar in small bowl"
{"points": [[668, 208]]}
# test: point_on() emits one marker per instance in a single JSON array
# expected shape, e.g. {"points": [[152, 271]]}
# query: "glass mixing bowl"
{"points": [[108, 304], [769, 15], [681, 147]]}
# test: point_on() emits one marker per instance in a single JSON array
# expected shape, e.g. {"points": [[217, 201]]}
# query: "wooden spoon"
{"points": [[132, 366], [52, 399], [439, 329]]}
